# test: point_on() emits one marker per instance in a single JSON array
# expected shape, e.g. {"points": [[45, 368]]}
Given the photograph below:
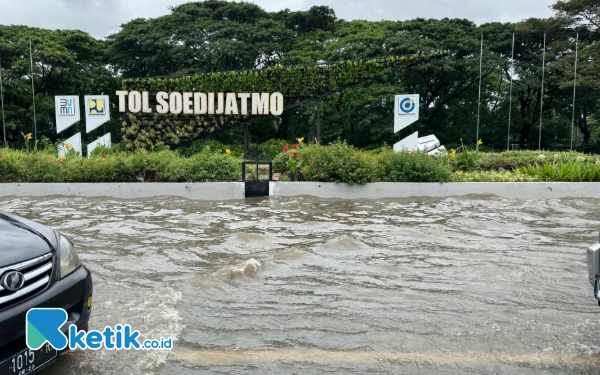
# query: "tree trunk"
{"points": [[525, 128], [283, 127], [584, 126]]}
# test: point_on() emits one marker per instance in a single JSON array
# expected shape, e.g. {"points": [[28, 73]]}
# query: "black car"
{"points": [[39, 268]]}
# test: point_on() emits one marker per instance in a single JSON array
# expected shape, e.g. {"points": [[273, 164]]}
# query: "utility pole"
{"points": [[32, 93], [2, 104], [512, 71], [479, 101], [574, 89], [542, 93]]}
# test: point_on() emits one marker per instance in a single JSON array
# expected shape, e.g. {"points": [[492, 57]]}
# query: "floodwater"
{"points": [[470, 285]]}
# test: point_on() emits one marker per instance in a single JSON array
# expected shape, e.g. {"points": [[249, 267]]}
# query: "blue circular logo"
{"points": [[407, 105]]}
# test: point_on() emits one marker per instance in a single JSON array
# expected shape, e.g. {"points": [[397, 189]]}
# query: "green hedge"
{"points": [[511, 160], [162, 166], [340, 162], [411, 167], [337, 162]]}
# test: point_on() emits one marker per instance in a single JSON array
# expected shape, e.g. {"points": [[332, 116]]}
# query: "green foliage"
{"points": [[410, 167], [487, 176], [210, 146], [272, 148], [163, 166], [566, 172], [101, 151], [64, 61], [337, 162], [465, 160], [142, 131], [511, 160], [280, 163]]}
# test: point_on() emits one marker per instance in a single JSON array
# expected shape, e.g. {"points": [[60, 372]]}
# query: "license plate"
{"points": [[28, 361]]}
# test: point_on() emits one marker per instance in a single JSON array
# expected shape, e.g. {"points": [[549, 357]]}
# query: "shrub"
{"points": [[567, 172], [271, 149], [466, 160], [203, 167], [486, 176], [410, 167], [511, 160], [337, 162], [280, 163], [20, 166], [210, 146]]}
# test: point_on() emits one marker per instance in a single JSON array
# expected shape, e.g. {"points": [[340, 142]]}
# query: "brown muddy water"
{"points": [[465, 285]]}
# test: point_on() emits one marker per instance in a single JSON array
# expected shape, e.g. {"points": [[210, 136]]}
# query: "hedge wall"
{"points": [[147, 131]]}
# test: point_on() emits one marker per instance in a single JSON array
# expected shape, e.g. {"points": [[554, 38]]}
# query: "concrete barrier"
{"points": [[378, 190], [236, 190], [200, 191]]}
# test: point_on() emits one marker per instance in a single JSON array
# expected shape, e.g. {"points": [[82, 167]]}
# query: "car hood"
{"points": [[18, 243]]}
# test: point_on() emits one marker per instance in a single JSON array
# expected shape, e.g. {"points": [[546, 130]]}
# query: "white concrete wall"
{"points": [[235, 190], [519, 190], [201, 191]]}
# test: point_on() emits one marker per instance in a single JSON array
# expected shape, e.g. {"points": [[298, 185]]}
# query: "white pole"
{"points": [[32, 93], [512, 71], [574, 88], [542, 92], [479, 101], [2, 104]]}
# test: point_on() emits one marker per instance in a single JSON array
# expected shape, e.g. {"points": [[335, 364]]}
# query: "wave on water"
{"points": [[249, 268]]}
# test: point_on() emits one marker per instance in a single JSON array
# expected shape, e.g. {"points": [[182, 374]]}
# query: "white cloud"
{"points": [[103, 17]]}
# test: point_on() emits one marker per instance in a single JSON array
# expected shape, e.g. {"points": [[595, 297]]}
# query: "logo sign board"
{"points": [[97, 111], [101, 141], [72, 143], [67, 111], [407, 111]]}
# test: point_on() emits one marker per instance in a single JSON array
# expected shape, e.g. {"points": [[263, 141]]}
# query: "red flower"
{"points": [[293, 153], [295, 145], [285, 148], [103, 156]]}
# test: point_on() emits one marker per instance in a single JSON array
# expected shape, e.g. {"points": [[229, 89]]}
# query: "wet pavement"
{"points": [[310, 286]]}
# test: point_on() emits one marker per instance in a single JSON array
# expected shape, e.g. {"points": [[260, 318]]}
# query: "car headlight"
{"points": [[69, 261]]}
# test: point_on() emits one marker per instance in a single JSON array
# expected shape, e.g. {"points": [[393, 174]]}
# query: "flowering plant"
{"points": [[27, 138], [466, 160], [294, 161]]}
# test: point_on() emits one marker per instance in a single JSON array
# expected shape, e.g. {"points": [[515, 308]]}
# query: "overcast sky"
{"points": [[103, 17]]}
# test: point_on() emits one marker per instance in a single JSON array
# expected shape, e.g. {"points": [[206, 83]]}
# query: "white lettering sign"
{"points": [[197, 103]]}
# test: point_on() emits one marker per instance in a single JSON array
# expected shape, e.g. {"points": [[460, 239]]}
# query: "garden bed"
{"points": [[337, 162]]}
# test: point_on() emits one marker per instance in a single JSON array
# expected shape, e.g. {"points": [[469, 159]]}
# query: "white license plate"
{"points": [[28, 361]]}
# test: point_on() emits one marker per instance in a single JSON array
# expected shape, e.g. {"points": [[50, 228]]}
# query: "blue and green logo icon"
{"points": [[407, 105], [43, 326]]}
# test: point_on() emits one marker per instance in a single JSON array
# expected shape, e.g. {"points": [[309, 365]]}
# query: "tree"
{"points": [[64, 62], [583, 17]]}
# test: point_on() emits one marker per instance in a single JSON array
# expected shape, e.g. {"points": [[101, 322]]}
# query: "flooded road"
{"points": [[312, 286]]}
